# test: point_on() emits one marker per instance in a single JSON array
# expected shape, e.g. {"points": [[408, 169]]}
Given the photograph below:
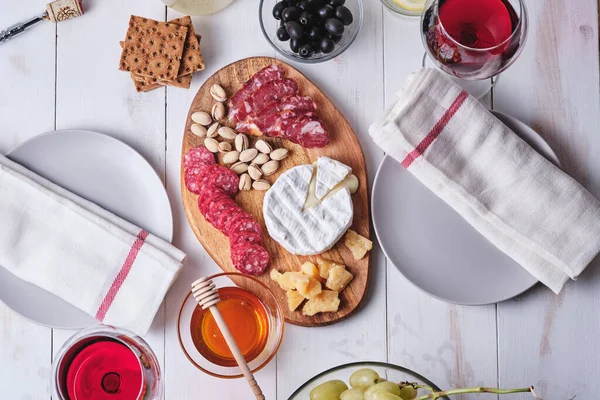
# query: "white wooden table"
{"points": [[66, 77]]}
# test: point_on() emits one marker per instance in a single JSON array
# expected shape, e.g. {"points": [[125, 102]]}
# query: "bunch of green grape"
{"points": [[366, 384]]}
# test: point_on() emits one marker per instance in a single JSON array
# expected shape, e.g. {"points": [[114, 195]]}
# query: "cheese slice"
{"points": [[330, 173], [300, 230]]}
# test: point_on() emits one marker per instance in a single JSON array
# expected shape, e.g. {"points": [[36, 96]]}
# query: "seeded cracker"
{"points": [[153, 48], [192, 59]]}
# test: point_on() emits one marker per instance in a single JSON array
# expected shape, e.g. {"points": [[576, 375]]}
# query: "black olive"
{"points": [[282, 34], [336, 3], [290, 13], [333, 26], [303, 5], [327, 45], [314, 32], [295, 45], [279, 7], [336, 39], [325, 12], [295, 30], [306, 18], [306, 51], [344, 15], [316, 47], [281, 23], [316, 3], [288, 2]]}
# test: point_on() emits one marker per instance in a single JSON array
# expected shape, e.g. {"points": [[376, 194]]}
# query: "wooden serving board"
{"points": [[344, 146]]}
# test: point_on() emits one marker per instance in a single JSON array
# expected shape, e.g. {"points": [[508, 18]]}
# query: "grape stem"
{"points": [[436, 395]]}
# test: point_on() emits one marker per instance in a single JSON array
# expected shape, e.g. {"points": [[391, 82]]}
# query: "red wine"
{"points": [[473, 39], [478, 24], [102, 369]]}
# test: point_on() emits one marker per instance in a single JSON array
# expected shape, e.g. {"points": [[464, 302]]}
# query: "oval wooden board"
{"points": [[344, 146]]}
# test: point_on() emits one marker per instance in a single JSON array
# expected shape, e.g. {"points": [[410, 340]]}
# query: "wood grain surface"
{"points": [[344, 146]]}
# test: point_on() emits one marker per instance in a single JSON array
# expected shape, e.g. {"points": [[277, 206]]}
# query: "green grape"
{"points": [[385, 386], [364, 378], [408, 393], [353, 394], [382, 395], [330, 390]]}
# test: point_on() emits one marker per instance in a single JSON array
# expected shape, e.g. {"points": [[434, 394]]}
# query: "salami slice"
{"points": [[265, 75], [227, 217], [247, 224], [245, 237], [192, 179], [250, 258], [216, 210], [197, 156], [269, 95], [307, 130], [220, 177]]}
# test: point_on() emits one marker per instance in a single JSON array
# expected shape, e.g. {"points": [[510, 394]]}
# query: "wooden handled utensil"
{"points": [[59, 10], [206, 294]]}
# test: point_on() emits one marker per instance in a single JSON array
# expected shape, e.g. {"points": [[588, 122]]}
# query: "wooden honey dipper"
{"points": [[206, 294]]}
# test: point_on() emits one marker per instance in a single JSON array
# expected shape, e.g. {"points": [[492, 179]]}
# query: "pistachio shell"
{"points": [[224, 147], [218, 111], [279, 154], [241, 142], [261, 159], [261, 184], [255, 172], [227, 133], [245, 182], [212, 130], [202, 118], [198, 130], [248, 155], [270, 168], [212, 145], [218, 93], [239, 167], [263, 146], [231, 157]]}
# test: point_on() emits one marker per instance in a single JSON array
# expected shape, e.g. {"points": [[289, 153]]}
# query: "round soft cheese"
{"points": [[305, 231]]}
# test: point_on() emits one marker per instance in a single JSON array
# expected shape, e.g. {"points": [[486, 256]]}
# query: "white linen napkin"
{"points": [[94, 260], [528, 208]]}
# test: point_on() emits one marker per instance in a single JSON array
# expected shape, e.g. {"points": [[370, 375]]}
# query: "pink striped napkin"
{"points": [[82, 253], [523, 204]]}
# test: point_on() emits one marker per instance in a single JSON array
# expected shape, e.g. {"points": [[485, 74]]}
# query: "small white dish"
{"points": [[105, 171], [434, 247]]}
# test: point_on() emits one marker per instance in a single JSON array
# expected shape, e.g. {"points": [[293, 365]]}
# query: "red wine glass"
{"points": [[474, 39], [106, 363]]}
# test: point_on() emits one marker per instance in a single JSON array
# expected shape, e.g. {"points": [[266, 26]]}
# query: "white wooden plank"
{"points": [[93, 94], [222, 42], [546, 340], [454, 346], [354, 82], [26, 109]]}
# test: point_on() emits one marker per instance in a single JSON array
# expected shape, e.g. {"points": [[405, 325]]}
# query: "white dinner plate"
{"points": [[434, 247], [105, 171]]}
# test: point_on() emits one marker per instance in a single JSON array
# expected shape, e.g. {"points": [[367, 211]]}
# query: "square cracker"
{"points": [[153, 48], [192, 59], [144, 85]]}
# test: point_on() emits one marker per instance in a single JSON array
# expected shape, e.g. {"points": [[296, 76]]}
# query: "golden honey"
{"points": [[247, 319]]}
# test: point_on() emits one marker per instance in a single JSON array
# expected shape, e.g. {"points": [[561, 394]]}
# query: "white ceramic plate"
{"points": [[100, 169], [462, 267]]}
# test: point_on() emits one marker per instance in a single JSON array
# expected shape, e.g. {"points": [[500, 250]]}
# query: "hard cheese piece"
{"points": [[338, 278], [153, 48], [325, 266], [308, 288], [309, 269], [294, 299], [330, 173], [326, 301], [358, 245], [305, 232]]}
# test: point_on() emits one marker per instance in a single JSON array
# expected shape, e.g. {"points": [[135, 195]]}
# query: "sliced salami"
{"points": [[269, 95], [307, 130], [271, 73], [250, 258], [221, 177], [245, 237], [247, 224], [192, 179], [227, 217], [198, 156]]}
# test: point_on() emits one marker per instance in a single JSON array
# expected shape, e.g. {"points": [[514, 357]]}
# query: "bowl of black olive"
{"points": [[310, 31]]}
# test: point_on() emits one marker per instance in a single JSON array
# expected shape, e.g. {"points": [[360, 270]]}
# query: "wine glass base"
{"points": [[477, 89]]}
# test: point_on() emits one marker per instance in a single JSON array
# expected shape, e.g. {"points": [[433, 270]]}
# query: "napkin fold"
{"points": [[527, 207], [85, 255]]}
